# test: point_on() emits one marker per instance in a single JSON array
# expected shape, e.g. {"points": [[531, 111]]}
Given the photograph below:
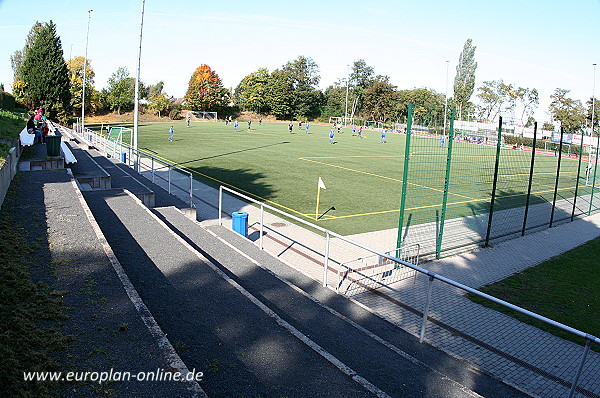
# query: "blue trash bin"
{"points": [[239, 223], [124, 157]]}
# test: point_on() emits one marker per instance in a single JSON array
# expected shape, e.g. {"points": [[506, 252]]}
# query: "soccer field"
{"points": [[363, 176]]}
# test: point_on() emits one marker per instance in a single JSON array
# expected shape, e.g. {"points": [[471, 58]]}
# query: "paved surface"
{"points": [[521, 355], [106, 329]]}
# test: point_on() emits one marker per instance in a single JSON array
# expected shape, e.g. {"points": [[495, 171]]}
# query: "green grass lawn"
{"points": [[564, 288], [363, 176]]}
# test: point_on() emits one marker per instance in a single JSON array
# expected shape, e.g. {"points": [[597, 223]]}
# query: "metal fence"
{"points": [[137, 159], [435, 308], [464, 188]]}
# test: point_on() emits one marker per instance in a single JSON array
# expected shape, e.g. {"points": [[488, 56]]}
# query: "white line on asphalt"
{"points": [[291, 329], [164, 344], [351, 322]]}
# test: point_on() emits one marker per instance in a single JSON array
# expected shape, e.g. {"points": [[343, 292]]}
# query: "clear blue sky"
{"points": [[541, 44]]}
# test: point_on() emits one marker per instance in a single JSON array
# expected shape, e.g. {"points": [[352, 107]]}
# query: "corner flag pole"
{"points": [[319, 186]]}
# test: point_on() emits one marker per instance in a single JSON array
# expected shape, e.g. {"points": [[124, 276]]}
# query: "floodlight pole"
{"points": [[136, 104], [593, 98], [347, 84], [446, 101], [85, 71]]}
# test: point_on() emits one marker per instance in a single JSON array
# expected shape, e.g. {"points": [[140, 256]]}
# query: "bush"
{"points": [[7, 100], [175, 114]]}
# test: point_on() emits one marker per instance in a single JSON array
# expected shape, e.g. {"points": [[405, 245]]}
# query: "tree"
{"points": [[45, 73], [425, 101], [303, 73], [75, 67], [335, 100], [495, 97], [205, 91], [156, 89], [16, 60], [120, 91], [160, 103], [593, 105], [380, 99], [249, 95], [529, 99], [279, 94], [361, 77], [464, 82], [570, 113]]}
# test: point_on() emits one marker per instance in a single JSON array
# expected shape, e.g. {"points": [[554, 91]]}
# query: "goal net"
{"points": [[372, 124], [201, 116]]}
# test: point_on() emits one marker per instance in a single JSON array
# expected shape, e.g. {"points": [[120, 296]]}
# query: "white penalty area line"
{"points": [[280, 321], [372, 335], [165, 346]]}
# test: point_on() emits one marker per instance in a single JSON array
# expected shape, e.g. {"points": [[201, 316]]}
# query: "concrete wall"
{"points": [[7, 172]]}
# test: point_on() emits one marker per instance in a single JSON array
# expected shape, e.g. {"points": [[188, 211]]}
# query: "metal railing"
{"points": [[136, 159], [431, 277]]}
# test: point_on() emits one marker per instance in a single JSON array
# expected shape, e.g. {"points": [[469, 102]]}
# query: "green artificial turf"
{"points": [[363, 176]]}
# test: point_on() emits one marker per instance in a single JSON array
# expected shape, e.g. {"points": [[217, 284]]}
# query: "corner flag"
{"points": [[321, 184]]}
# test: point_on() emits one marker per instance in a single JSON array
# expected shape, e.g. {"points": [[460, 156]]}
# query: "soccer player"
{"points": [[171, 134], [249, 123], [382, 139], [442, 140], [187, 118], [360, 132], [307, 126], [291, 127], [353, 130], [260, 121], [331, 135], [235, 125]]}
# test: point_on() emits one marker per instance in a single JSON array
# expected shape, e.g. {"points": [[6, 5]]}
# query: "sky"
{"points": [[542, 44]]}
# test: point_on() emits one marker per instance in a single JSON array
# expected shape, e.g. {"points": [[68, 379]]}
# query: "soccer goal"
{"points": [[336, 119], [481, 137], [372, 124], [201, 116]]}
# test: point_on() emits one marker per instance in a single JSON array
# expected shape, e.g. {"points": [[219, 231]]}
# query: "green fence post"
{"points": [[562, 131], [404, 176], [495, 183], [595, 170], [578, 175], [438, 247], [530, 180]]}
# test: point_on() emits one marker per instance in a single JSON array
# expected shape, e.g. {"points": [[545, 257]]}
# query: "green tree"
{"points": [[361, 77], [45, 74], [464, 82], [334, 103], [304, 75], [495, 96], [380, 98], [425, 101], [569, 112], [205, 91], [279, 94], [592, 104], [249, 95], [160, 103], [530, 100], [75, 67], [120, 91], [156, 89], [16, 60]]}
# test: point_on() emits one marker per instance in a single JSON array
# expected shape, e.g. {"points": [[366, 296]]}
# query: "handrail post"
{"points": [[588, 343], [152, 169], [191, 190], [220, 204], [169, 180], [426, 310], [262, 224], [326, 263]]}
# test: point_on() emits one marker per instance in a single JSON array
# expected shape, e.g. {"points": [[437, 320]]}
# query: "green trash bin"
{"points": [[53, 145]]}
